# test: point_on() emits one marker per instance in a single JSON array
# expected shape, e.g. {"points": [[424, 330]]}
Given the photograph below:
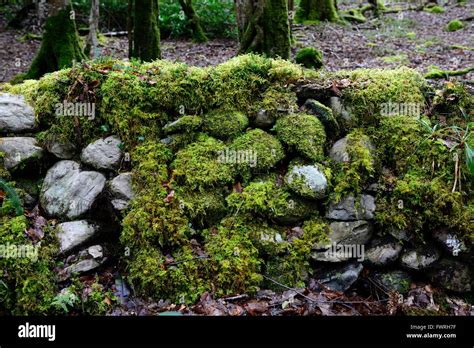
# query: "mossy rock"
{"points": [[225, 125], [303, 134], [310, 58]]}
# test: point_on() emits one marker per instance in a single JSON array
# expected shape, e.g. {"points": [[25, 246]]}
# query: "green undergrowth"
{"points": [[212, 211]]}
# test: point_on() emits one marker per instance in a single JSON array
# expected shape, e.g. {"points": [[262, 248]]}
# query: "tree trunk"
{"points": [[193, 20], [146, 33], [264, 27], [316, 11], [92, 43], [130, 27], [60, 46]]}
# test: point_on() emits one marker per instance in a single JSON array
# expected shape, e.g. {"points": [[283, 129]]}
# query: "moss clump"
{"points": [[292, 268], [435, 9], [352, 176], [185, 124], [303, 134], [198, 165], [369, 90], [417, 203], [27, 284], [225, 124], [310, 58], [202, 208], [313, 11], [398, 139], [256, 151], [454, 25], [234, 264]]}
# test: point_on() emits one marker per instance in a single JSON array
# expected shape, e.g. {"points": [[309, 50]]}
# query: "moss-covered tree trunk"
{"points": [[316, 10], [193, 20], [264, 27], [60, 46], [146, 33], [92, 43]]}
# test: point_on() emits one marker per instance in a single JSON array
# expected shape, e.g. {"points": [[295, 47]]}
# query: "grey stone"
{"points": [[62, 150], [420, 258], [399, 234], [308, 181], [345, 209], [15, 114], [346, 241], [103, 153], [69, 192], [452, 275], [264, 119], [74, 233], [86, 261], [383, 251], [324, 114], [20, 151], [450, 241], [121, 191], [339, 152], [340, 278], [339, 111]]}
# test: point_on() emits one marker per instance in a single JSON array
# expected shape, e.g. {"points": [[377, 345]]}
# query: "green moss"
{"points": [[454, 25], [310, 58], [256, 151], [298, 182], [185, 124], [27, 284], [225, 124], [369, 90], [316, 10], [303, 134], [198, 165], [435, 9]]}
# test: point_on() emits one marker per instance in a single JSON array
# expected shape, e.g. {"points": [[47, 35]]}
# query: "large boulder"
{"points": [[346, 241], [121, 191], [308, 181], [346, 209], [15, 114], [383, 251], [419, 258], [74, 233], [20, 152], [340, 278], [103, 153], [452, 275], [69, 192]]}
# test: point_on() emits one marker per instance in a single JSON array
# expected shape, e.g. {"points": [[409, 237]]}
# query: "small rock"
{"points": [[339, 111], [399, 234], [61, 149], [308, 181], [450, 241], [120, 188], [452, 275], [103, 153], [20, 152], [339, 152], [397, 280], [324, 114], [74, 233], [383, 251], [69, 192], [421, 258], [264, 119], [86, 261], [341, 278], [15, 114], [345, 209]]}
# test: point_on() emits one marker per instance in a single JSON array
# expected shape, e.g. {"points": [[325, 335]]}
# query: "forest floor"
{"points": [[416, 39]]}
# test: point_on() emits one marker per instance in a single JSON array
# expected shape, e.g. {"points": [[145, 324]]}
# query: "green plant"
{"points": [[454, 25], [65, 300]]}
